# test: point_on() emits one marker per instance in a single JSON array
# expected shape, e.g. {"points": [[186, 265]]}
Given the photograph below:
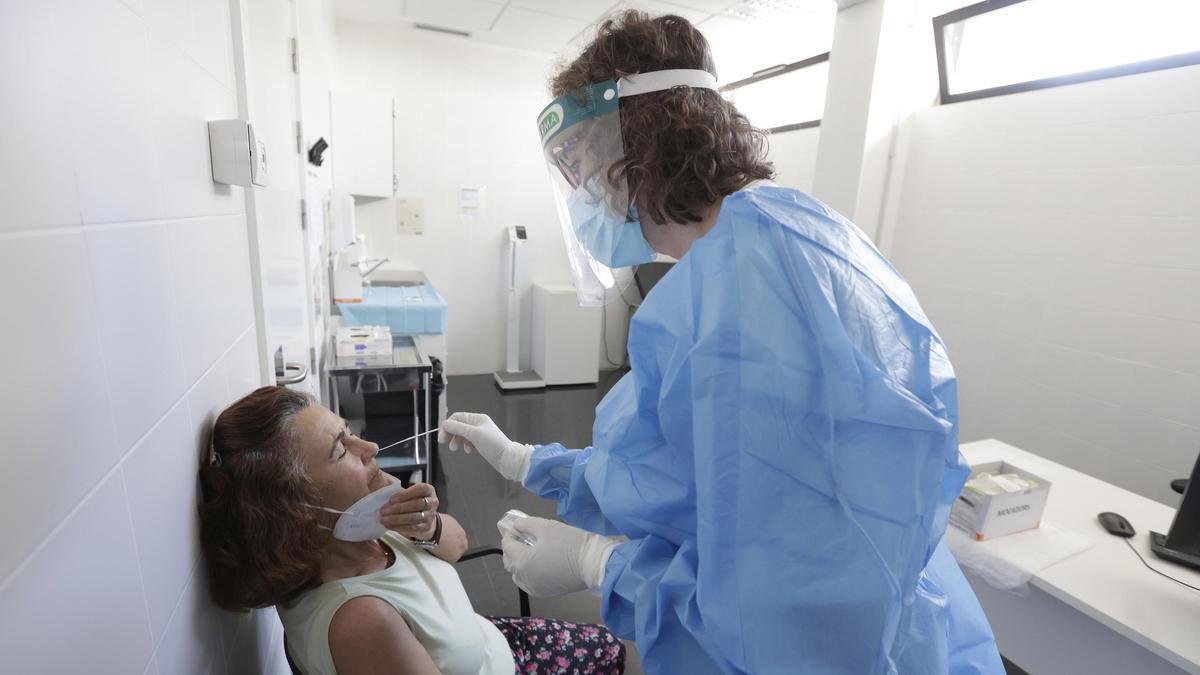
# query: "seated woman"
{"points": [[280, 470]]}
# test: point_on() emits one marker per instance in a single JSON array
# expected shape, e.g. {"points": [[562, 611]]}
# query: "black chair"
{"points": [[522, 596]]}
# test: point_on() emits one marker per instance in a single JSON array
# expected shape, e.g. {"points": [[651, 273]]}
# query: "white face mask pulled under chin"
{"points": [[360, 522]]}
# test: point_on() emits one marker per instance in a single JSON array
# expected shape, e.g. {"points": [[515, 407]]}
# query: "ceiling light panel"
{"points": [[583, 10], [537, 31], [370, 11], [466, 15]]}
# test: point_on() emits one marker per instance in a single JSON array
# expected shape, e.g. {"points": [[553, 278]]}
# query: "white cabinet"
{"points": [[566, 337], [363, 143]]}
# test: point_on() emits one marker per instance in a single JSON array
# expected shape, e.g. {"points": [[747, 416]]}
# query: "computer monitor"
{"points": [[1182, 542], [645, 276]]}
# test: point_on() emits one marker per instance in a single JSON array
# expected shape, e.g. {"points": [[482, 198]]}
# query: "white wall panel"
{"points": [[160, 481], [794, 154], [128, 285], [108, 99], [214, 45], [192, 642], [78, 607], [1068, 221], [214, 305], [185, 98], [37, 179], [53, 404], [131, 277]]}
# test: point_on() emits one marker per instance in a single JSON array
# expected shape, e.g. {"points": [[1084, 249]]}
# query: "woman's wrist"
{"points": [[431, 539]]}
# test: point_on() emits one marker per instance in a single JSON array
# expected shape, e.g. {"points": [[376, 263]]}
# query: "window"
{"points": [[784, 97], [1006, 46]]}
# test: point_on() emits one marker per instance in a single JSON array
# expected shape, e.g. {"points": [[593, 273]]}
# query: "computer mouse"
{"points": [[1116, 524]]}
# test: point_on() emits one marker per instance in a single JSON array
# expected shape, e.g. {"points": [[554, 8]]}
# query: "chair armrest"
{"points": [[483, 551]]}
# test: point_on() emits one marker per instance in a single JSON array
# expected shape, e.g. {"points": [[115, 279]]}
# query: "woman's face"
{"points": [[340, 464]]}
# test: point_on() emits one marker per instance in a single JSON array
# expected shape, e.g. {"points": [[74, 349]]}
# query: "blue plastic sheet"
{"points": [[407, 310], [783, 457]]}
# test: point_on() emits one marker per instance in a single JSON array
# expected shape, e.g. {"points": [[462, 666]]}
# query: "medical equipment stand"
{"points": [[512, 377], [406, 369]]}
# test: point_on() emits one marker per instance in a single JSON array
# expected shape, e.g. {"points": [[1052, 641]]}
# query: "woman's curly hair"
{"points": [[260, 540], [684, 148]]}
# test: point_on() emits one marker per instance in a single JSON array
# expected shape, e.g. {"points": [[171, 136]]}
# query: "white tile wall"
{"points": [[56, 412], [260, 636], [84, 583], [130, 327], [214, 45], [241, 366], [188, 97], [205, 401], [108, 99], [161, 485], [139, 322], [33, 123], [171, 20], [192, 643], [1054, 239], [212, 300]]}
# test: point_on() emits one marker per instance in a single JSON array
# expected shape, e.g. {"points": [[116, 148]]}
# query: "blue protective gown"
{"points": [[782, 456]]}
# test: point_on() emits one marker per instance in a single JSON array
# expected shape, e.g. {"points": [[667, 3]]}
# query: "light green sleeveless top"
{"points": [[427, 593]]}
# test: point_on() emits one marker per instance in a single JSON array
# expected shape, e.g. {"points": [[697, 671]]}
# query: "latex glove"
{"points": [[563, 559], [476, 431]]}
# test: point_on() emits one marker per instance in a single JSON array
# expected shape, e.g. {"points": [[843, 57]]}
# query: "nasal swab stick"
{"points": [[410, 438]]}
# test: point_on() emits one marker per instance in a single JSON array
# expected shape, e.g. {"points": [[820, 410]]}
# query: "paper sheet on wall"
{"points": [[472, 203], [316, 202], [410, 215]]}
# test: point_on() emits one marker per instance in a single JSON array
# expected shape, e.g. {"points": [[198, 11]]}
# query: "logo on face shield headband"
{"points": [[550, 121]]}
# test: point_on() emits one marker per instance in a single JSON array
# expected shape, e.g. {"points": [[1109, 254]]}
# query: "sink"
{"points": [[395, 284], [403, 300]]}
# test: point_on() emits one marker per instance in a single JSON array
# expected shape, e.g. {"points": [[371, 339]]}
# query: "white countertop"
{"points": [[1107, 582]]}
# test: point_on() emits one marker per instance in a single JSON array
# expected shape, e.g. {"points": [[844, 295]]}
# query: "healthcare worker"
{"points": [[781, 459]]}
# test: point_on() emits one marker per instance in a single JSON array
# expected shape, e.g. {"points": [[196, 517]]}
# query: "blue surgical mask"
{"points": [[609, 238]]}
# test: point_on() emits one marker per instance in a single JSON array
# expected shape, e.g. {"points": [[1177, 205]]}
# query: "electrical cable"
{"points": [[604, 331], [604, 335], [1139, 555]]}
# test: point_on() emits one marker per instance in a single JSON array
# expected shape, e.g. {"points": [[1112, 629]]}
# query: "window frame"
{"points": [[776, 71], [945, 97]]}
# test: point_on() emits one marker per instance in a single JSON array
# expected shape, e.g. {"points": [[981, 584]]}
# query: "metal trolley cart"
{"points": [[388, 399]]}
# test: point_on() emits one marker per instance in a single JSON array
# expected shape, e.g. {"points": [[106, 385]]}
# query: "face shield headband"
{"points": [[581, 137]]}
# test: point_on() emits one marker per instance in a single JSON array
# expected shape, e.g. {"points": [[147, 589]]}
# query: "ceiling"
{"points": [[746, 35]]}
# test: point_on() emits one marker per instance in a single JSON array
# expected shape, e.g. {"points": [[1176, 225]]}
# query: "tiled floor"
{"points": [[477, 496]]}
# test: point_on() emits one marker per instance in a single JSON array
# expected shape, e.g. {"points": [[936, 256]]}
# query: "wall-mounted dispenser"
{"points": [[238, 156]]}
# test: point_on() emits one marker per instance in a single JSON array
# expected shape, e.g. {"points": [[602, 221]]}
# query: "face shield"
{"points": [[581, 140]]}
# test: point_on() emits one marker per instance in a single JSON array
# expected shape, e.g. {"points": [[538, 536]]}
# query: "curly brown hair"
{"points": [[684, 148], [260, 541]]}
